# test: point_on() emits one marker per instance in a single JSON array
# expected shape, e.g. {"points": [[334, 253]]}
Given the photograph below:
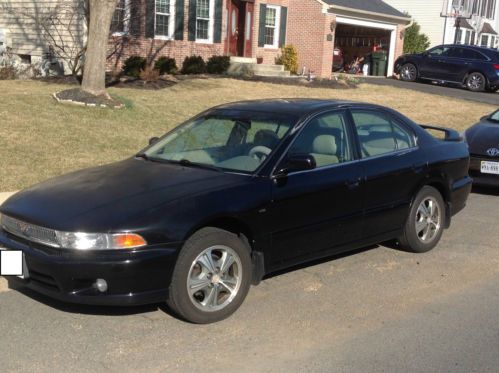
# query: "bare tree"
{"points": [[94, 73], [57, 29]]}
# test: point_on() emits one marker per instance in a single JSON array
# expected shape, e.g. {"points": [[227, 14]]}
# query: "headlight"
{"points": [[99, 241]]}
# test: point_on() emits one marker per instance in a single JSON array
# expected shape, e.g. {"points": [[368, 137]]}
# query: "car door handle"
{"points": [[352, 184], [418, 168]]}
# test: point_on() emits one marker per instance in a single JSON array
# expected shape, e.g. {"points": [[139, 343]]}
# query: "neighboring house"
{"points": [[249, 29], [480, 27], [39, 31]]}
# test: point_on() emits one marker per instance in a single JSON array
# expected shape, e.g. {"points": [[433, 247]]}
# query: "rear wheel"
{"points": [[211, 277], [476, 82], [425, 224], [408, 72]]}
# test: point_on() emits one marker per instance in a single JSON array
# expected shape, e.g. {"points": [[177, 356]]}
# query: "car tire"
{"points": [[409, 72], [476, 82], [201, 290], [425, 223]]}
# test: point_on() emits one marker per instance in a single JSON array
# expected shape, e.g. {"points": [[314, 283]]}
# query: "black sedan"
{"points": [[238, 192], [483, 142], [475, 68]]}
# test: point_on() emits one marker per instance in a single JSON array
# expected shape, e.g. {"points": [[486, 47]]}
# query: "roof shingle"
{"points": [[376, 6]]}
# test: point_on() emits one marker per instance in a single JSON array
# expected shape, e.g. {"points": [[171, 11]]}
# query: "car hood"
{"points": [[483, 136], [102, 198]]}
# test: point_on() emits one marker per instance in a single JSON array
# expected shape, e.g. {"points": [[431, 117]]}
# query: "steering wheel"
{"points": [[260, 153]]}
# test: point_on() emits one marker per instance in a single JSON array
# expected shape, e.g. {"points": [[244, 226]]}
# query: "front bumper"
{"points": [[133, 278], [478, 177]]}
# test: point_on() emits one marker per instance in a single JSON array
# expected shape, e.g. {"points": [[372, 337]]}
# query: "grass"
{"points": [[40, 138]]}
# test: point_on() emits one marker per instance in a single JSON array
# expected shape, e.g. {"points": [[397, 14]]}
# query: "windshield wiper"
{"points": [[188, 163]]}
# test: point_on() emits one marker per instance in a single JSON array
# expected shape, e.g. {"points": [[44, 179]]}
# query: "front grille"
{"points": [[29, 231]]}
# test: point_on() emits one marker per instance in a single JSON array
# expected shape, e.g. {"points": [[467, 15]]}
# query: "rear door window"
{"points": [[380, 133], [473, 55]]}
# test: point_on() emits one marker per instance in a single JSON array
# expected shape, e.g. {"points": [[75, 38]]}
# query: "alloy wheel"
{"points": [[428, 220], [408, 72], [214, 278], [475, 81]]}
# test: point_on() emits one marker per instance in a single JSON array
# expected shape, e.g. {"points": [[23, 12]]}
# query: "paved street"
{"points": [[380, 310]]}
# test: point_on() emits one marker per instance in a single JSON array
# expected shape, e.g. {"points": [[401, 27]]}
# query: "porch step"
{"points": [[234, 59], [248, 66], [273, 73]]}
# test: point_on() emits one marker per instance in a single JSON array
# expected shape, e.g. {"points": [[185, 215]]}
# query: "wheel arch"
{"points": [[471, 71], [245, 233], [443, 188]]}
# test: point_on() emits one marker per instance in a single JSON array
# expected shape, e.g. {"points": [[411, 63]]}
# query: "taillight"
{"points": [[496, 66]]}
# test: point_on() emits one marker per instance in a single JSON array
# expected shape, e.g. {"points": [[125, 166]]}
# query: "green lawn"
{"points": [[40, 138]]}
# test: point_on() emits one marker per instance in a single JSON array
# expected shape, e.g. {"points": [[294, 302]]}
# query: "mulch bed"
{"points": [[77, 96]]}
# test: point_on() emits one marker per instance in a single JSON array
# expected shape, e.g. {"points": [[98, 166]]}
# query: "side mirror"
{"points": [[153, 140], [295, 163]]}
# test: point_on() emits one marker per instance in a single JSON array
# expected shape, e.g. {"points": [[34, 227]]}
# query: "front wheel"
{"points": [[476, 82], [425, 224], [211, 278], [408, 72]]}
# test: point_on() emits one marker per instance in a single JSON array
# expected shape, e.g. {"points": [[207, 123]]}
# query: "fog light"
{"points": [[101, 285]]}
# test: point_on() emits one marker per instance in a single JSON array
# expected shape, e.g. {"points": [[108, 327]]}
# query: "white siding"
{"points": [[23, 20], [427, 14]]}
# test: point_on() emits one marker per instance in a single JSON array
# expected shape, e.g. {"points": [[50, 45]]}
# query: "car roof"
{"points": [[293, 106]]}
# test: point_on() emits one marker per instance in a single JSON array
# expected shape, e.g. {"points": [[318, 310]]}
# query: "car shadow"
{"points": [[485, 190]]}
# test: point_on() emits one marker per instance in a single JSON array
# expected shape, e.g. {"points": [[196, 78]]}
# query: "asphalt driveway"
{"points": [[380, 310], [447, 91]]}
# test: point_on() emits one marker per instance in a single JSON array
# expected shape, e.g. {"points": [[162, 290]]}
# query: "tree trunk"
{"points": [[94, 73]]}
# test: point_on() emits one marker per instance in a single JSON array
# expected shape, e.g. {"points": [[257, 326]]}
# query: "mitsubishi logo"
{"points": [[493, 152]]}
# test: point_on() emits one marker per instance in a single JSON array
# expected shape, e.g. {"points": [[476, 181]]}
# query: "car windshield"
{"points": [[494, 117], [235, 141]]}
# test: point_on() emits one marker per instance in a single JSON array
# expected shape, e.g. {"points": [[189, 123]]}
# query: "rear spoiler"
{"points": [[449, 134]]}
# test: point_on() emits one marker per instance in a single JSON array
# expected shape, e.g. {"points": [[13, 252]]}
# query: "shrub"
{"points": [[414, 40], [289, 58], [8, 73], [194, 65], [133, 65], [218, 64], [166, 65], [149, 74]]}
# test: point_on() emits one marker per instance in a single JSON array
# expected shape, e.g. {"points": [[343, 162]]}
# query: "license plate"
{"points": [[489, 167], [13, 264]]}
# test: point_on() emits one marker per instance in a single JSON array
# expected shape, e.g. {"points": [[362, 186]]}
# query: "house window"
{"points": [[273, 15], [204, 20], [467, 39], [164, 19], [485, 40], [121, 19], [492, 41]]}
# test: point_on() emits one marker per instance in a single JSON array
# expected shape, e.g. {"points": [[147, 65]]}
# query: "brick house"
{"points": [[254, 29], [247, 29]]}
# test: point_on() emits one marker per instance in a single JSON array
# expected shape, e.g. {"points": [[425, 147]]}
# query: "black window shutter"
{"points": [[134, 18], [150, 18], [192, 20], [179, 20], [282, 31], [217, 33], [261, 29]]}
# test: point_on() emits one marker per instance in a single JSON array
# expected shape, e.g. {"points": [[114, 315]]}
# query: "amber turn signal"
{"points": [[128, 240]]}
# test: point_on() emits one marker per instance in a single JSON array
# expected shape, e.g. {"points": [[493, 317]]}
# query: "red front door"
{"points": [[233, 29]]}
